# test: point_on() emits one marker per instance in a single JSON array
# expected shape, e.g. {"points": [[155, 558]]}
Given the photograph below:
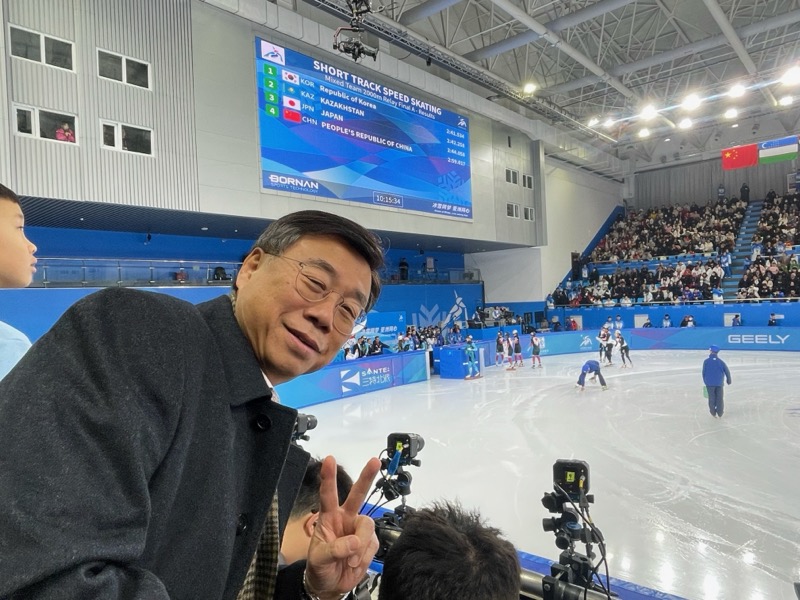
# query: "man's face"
{"points": [[289, 335], [16, 257]]}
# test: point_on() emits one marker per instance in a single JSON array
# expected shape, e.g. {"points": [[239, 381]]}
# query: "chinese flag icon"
{"points": [[292, 115], [739, 157]]}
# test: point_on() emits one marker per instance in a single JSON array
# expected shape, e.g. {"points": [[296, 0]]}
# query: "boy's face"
{"points": [[16, 260]]}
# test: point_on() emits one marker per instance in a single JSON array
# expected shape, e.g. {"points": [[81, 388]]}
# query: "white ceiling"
{"points": [[608, 58]]}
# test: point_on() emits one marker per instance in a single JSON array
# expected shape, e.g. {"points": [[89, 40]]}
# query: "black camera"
{"points": [[302, 424], [355, 48], [573, 525], [407, 444], [395, 482]]}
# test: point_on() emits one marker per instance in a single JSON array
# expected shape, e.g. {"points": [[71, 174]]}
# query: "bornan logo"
{"points": [[762, 338], [293, 182]]}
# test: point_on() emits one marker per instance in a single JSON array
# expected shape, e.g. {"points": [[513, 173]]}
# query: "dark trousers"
{"points": [[715, 402], [623, 352], [582, 378]]}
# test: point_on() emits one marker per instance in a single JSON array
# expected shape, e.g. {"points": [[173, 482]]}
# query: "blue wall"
{"points": [[34, 310], [79, 243], [705, 315], [727, 338]]}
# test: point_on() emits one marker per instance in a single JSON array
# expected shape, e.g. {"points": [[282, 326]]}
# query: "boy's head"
{"points": [[16, 260]]}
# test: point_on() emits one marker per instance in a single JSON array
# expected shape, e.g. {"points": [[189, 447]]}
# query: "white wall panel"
{"points": [[157, 33]]}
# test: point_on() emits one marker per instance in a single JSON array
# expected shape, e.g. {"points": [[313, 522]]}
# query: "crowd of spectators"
{"points": [[692, 281], [672, 230], [771, 271]]}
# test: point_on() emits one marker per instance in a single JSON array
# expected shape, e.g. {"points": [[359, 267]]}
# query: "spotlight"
{"points": [[786, 101], [529, 88], [593, 121], [731, 113], [644, 132], [609, 123], [791, 77], [428, 61], [648, 112], [685, 123], [737, 91], [691, 102]]}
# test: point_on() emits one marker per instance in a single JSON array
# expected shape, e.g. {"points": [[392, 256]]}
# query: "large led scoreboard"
{"points": [[325, 131]]}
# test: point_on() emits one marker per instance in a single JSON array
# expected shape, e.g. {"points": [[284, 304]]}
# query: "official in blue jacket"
{"points": [[715, 374], [593, 367]]}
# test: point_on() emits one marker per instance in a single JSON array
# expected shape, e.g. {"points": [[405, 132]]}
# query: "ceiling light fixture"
{"points": [[609, 123], [644, 132], [648, 112], [593, 121], [691, 102], [685, 123], [737, 91], [731, 113], [791, 77], [786, 101], [529, 88]]}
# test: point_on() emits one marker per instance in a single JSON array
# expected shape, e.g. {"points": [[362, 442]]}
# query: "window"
{"points": [[46, 124], [127, 138], [512, 210], [109, 65], [527, 182], [528, 213], [26, 44], [36, 46], [123, 69], [512, 176], [25, 121], [55, 126]]}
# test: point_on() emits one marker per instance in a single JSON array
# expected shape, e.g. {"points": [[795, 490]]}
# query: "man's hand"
{"points": [[344, 542]]}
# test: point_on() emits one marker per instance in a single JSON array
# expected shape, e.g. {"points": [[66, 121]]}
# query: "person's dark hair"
{"points": [[284, 232], [446, 552], [7, 194], [308, 497]]}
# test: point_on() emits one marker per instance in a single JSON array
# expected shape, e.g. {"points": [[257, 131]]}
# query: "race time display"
{"points": [[327, 132]]}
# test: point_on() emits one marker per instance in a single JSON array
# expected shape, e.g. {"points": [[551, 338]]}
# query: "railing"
{"points": [[114, 272], [110, 272]]}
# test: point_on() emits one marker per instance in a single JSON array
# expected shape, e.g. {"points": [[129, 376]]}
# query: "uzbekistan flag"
{"points": [[777, 150], [739, 157]]}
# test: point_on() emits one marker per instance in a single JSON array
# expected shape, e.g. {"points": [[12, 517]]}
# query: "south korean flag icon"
{"points": [[290, 76]]}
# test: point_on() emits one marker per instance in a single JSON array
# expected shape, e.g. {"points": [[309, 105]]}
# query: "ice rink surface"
{"points": [[703, 508]]}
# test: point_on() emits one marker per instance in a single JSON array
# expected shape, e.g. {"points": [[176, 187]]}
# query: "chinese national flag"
{"points": [[739, 157]]}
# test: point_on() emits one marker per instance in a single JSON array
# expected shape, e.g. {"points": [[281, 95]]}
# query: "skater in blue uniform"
{"points": [[715, 374], [593, 367]]}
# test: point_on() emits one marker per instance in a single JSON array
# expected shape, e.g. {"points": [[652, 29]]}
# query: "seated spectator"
{"points": [[737, 321], [773, 321], [220, 274], [666, 322], [377, 346], [305, 512], [647, 322], [447, 553], [402, 343], [64, 133]]}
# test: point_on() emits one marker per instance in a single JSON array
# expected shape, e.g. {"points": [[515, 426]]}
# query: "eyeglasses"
{"points": [[313, 285]]}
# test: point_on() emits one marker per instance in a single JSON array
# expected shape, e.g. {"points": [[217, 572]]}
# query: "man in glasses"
{"points": [[145, 454]]}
